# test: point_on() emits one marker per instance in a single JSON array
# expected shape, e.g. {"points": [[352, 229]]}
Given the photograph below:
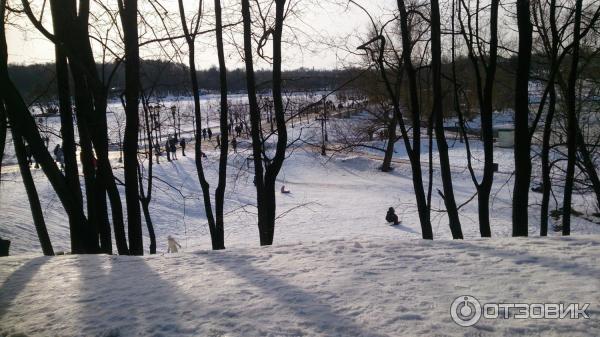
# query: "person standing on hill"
{"points": [[157, 152], [182, 144], [173, 144], [168, 148], [209, 131], [234, 144], [28, 154], [203, 134], [59, 155]]}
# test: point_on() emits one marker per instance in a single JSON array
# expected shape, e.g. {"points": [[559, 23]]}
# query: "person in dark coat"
{"points": [[391, 216], [28, 154], [59, 155], [168, 149], [173, 144], [203, 134], [182, 144], [209, 131], [234, 145], [218, 142], [157, 152]]}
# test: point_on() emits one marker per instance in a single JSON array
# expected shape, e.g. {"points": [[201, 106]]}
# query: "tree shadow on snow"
{"points": [[526, 257], [123, 296], [17, 281], [313, 312]]}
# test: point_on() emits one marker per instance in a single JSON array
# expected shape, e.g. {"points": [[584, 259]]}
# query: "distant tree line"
{"points": [[38, 81]]}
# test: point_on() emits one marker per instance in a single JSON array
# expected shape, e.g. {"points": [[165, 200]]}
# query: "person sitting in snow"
{"points": [[283, 190], [172, 245], [391, 216]]}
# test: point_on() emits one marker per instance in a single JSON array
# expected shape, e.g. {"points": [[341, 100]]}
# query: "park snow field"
{"points": [[336, 268], [348, 287], [342, 196]]}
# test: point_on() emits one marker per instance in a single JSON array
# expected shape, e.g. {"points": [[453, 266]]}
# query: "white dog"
{"points": [[172, 245]]}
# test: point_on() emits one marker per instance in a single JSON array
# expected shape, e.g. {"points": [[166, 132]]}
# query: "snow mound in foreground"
{"points": [[333, 288]]}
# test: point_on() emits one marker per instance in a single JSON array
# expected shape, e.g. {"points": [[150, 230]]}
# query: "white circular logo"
{"points": [[465, 310]]}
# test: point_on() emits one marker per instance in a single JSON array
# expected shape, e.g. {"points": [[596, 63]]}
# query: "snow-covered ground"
{"points": [[339, 197], [336, 269], [351, 287]]}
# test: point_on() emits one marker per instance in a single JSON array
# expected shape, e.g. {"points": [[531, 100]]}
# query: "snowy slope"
{"points": [[331, 288], [343, 197]]}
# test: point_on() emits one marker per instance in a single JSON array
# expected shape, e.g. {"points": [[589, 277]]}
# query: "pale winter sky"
{"points": [[317, 25]]}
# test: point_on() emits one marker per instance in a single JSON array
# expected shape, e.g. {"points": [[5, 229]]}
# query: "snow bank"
{"points": [[333, 288]]}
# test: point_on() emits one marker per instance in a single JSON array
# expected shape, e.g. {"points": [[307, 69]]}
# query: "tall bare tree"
{"points": [[572, 120], [486, 60], [128, 10], [414, 149], [438, 116], [265, 169], [520, 212]]}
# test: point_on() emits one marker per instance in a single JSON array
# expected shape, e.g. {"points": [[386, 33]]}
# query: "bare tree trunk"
{"points": [[254, 121], [265, 182], [76, 45], [146, 196], [483, 192], [128, 12], [545, 157], [3, 128], [436, 64], [24, 124], [414, 150], [272, 170], [571, 122], [32, 194], [386, 166], [220, 191], [66, 122], [216, 234], [522, 140], [590, 168]]}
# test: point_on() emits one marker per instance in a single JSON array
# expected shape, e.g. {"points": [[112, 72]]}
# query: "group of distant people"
{"points": [[170, 146]]}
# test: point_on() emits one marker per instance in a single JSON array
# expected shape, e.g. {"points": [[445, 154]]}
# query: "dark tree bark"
{"points": [[436, 65], [485, 93], [266, 176], [77, 47], [522, 139], [545, 157], [128, 12], [32, 194], [552, 44], [588, 163], [146, 196], [254, 117], [223, 114], [24, 124], [273, 168], [216, 231], [59, 15], [414, 149], [571, 121], [3, 128]]}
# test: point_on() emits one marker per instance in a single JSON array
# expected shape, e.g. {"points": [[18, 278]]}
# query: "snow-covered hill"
{"points": [[332, 288], [343, 197]]}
